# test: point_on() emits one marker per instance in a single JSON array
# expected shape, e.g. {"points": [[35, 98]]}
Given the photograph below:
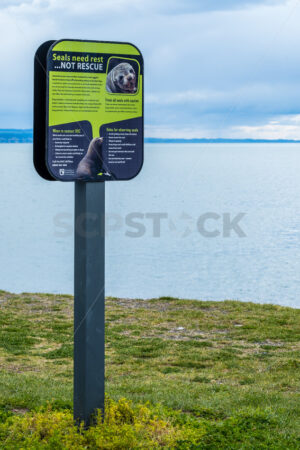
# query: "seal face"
{"points": [[92, 163], [121, 79]]}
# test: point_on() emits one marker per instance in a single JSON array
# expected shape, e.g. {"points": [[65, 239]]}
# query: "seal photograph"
{"points": [[122, 77], [92, 163]]}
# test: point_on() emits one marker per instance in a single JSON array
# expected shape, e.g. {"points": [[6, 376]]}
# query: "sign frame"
{"points": [[41, 106]]}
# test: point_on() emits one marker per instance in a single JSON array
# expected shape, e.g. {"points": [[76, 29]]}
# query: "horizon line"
{"points": [[17, 133]]}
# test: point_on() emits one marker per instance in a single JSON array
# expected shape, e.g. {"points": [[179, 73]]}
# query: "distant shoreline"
{"points": [[219, 141], [15, 136]]}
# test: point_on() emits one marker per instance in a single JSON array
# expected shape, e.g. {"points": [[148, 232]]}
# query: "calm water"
{"points": [[183, 182]]}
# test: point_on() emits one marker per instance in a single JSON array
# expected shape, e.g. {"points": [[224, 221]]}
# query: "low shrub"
{"points": [[124, 427]]}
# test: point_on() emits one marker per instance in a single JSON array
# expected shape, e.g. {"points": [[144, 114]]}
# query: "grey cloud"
{"points": [[217, 70], [223, 110], [166, 7], [6, 3], [178, 6]]}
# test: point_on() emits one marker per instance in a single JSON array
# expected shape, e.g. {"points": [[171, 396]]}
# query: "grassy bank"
{"points": [[219, 374]]}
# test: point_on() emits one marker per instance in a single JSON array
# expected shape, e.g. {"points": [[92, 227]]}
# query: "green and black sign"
{"points": [[88, 126], [94, 111]]}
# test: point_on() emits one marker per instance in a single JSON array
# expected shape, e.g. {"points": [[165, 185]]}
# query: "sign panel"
{"points": [[94, 106]]}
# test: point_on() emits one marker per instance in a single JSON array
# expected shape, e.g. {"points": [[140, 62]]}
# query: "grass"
{"points": [[228, 371]]}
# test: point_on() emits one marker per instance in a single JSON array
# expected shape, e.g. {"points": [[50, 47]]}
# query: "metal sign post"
{"points": [[89, 300], [88, 129]]}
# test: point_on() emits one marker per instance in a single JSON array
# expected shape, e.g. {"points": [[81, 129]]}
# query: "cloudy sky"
{"points": [[213, 68]]}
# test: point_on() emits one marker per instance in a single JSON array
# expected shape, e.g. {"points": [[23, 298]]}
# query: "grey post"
{"points": [[89, 300]]}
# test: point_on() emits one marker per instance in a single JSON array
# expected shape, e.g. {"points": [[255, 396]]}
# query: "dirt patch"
{"points": [[20, 411]]}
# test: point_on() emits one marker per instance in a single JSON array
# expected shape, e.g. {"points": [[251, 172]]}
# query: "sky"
{"points": [[213, 68]]}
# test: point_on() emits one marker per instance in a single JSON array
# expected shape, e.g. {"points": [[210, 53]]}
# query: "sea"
{"points": [[200, 221]]}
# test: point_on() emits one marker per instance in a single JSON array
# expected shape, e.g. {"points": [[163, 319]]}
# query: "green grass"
{"points": [[230, 370]]}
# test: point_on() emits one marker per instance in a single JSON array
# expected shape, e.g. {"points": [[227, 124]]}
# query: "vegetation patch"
{"points": [[195, 374], [142, 426]]}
